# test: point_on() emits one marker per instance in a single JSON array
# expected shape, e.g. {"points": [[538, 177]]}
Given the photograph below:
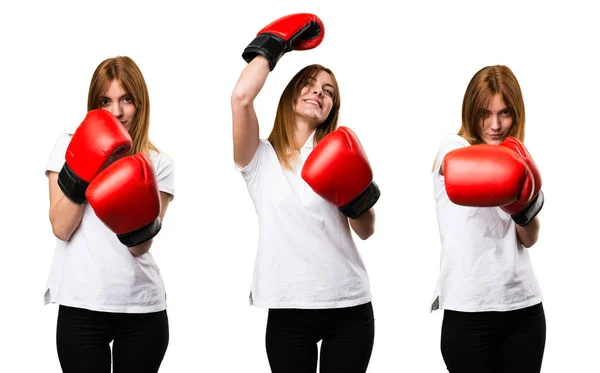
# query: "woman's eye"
{"points": [[105, 102]]}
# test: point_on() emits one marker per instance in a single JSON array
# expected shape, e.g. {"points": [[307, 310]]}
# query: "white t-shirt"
{"points": [[483, 265], [94, 270], [306, 256]]}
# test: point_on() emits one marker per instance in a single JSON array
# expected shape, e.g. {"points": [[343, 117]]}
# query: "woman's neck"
{"points": [[301, 135], [302, 132]]}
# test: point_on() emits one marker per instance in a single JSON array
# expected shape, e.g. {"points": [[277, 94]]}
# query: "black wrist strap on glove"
{"points": [[362, 203], [141, 235], [72, 185], [272, 46], [526, 215]]}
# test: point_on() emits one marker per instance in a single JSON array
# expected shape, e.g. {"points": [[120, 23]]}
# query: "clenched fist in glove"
{"points": [[293, 32], [338, 170], [125, 197], [98, 141], [523, 213], [495, 175]]}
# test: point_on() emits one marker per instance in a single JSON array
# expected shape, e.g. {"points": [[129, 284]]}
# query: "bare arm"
{"points": [[245, 122], [65, 215], [364, 225], [528, 235], [144, 247]]}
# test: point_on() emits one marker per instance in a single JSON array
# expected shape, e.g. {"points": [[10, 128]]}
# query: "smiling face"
{"points": [[496, 121], [119, 103], [315, 100]]}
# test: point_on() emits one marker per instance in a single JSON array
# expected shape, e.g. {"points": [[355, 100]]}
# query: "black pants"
{"points": [[494, 342], [347, 336], [83, 336]]}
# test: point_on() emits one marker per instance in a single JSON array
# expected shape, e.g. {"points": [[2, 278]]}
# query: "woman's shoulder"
{"points": [[159, 155], [61, 143], [63, 138], [265, 142], [161, 160], [453, 139], [451, 142], [264, 146]]}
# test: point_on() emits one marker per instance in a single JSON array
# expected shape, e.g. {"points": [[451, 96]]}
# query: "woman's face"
{"points": [[315, 100], [119, 103], [496, 121]]}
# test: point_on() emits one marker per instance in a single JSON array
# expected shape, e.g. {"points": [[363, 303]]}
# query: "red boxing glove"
{"points": [[98, 140], [523, 213], [295, 31], [338, 170], [487, 175], [125, 197]]}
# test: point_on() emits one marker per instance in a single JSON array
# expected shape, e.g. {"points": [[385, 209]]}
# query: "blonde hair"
{"points": [[128, 74], [282, 134]]}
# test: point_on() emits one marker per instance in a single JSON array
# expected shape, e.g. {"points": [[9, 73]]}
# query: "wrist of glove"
{"points": [[72, 186], [362, 203], [526, 215], [140, 235]]}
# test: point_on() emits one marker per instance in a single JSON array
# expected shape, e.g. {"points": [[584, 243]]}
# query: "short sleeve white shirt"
{"points": [[483, 266], [94, 270], [306, 257]]}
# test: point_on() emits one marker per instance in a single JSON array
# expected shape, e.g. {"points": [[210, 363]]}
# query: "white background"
{"points": [[402, 73]]}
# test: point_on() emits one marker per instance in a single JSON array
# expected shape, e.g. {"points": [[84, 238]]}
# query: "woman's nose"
{"points": [[116, 110], [495, 122]]}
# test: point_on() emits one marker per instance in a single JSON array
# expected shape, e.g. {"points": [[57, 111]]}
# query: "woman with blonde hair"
{"points": [[488, 195], [109, 191], [310, 184]]}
